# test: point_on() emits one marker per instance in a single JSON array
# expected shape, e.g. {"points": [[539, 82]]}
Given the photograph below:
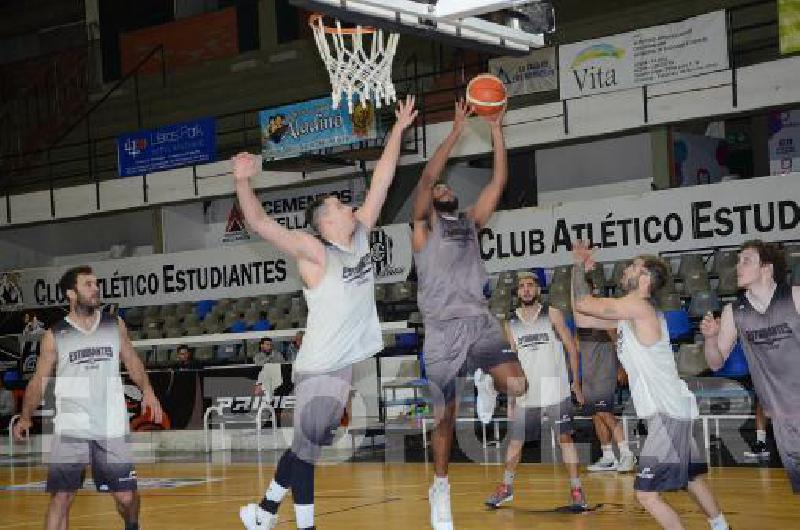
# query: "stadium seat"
{"points": [[724, 260], [561, 297], [152, 311], [283, 323], [691, 360], [193, 330], [153, 333], [134, 316], [668, 301], [695, 281], [169, 310], [690, 264], [274, 314], [678, 324], [204, 307], [134, 334], [190, 319], [171, 321], [238, 326], [703, 302], [171, 332], [380, 292], [562, 273], [795, 276], [728, 285], [507, 279], [598, 277], [261, 324]]}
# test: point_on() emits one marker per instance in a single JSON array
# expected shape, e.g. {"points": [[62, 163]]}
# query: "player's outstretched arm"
{"points": [[297, 244], [384, 172], [487, 201], [423, 196]]}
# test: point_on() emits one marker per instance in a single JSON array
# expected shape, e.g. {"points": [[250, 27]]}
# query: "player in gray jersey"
{"points": [[342, 328], [83, 353], [669, 459], [601, 370], [766, 318], [460, 333]]}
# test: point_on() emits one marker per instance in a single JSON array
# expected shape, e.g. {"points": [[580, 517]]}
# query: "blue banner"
{"points": [[292, 130], [169, 147]]}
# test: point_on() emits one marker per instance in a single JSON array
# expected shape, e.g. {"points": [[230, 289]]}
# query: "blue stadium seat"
{"points": [[261, 325], [678, 324], [406, 340], [204, 307], [240, 326]]}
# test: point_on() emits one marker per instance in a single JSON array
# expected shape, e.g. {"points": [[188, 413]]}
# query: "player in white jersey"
{"points": [[539, 335], [342, 328], [83, 353], [669, 459]]}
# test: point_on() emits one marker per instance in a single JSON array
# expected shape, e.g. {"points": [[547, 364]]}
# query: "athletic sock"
{"points": [[440, 483], [608, 452], [273, 497], [623, 448], [508, 477], [305, 515], [761, 436], [574, 483], [718, 523]]}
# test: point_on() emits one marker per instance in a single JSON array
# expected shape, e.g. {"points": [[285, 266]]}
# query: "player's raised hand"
{"points": [[496, 120], [709, 326], [582, 255], [245, 166], [460, 115], [405, 112]]}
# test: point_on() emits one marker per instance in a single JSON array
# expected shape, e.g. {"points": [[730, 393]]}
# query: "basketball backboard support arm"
{"points": [[421, 18], [456, 9]]}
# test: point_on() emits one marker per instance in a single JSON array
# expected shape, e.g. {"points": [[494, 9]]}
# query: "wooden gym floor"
{"points": [[367, 495]]}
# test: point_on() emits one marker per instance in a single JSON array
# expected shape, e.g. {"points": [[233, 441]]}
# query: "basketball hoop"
{"points": [[356, 69]]}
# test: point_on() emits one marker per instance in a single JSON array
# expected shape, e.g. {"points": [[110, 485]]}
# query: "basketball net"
{"points": [[356, 67]]}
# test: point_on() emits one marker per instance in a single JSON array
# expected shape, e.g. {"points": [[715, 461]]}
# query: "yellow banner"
{"points": [[789, 24]]}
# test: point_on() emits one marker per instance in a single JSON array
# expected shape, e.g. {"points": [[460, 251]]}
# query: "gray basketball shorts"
{"points": [[526, 424], [599, 381], [111, 461], [670, 458], [787, 438], [321, 400], [457, 347]]}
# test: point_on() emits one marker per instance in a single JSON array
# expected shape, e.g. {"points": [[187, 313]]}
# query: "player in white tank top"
{"points": [[644, 351], [343, 327], [83, 353], [539, 335]]}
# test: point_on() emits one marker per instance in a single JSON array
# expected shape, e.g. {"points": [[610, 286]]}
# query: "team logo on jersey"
{"points": [[381, 247], [235, 229], [769, 337], [533, 340], [360, 273]]}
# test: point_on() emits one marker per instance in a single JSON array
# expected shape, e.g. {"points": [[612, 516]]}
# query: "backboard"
{"points": [[501, 27]]}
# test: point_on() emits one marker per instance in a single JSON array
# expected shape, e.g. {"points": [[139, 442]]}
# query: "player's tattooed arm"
{"points": [[580, 287]]}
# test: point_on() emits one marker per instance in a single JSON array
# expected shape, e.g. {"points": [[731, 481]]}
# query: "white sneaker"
{"points": [[256, 518], [487, 396], [604, 464], [626, 462], [441, 515]]}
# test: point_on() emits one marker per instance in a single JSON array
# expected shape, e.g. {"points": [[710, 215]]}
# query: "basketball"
{"points": [[487, 94]]}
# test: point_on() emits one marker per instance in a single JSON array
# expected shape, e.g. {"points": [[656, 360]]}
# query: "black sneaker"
{"points": [[758, 450]]}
